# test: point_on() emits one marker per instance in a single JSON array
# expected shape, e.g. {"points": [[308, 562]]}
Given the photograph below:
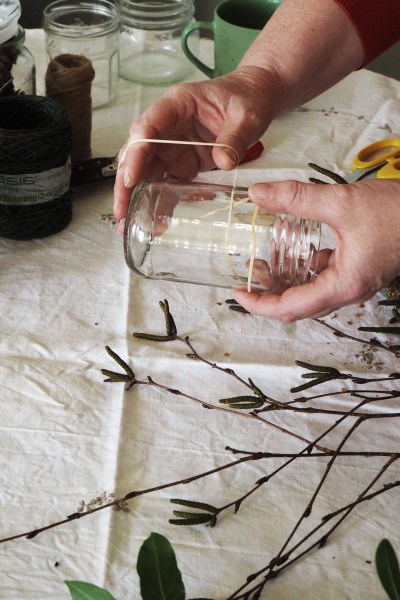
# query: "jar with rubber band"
{"points": [[213, 235]]}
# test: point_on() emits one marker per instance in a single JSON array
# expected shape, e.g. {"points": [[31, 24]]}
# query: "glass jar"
{"points": [[192, 232], [150, 45], [17, 65], [90, 29]]}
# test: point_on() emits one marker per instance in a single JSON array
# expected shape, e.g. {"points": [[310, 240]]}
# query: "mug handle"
{"points": [[208, 25]]}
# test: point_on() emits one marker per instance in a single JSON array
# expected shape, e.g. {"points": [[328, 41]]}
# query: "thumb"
{"points": [[237, 139], [226, 154], [307, 200], [232, 157]]}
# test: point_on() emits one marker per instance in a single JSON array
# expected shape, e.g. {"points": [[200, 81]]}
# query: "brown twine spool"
{"points": [[69, 79]]}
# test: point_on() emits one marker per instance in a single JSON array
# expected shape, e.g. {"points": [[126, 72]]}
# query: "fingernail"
{"points": [[127, 179], [121, 226], [231, 155], [254, 190]]}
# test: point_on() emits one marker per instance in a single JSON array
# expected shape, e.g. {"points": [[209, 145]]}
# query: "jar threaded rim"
{"points": [[158, 14]]}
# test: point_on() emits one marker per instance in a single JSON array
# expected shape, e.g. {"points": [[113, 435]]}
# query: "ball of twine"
{"points": [[35, 136], [69, 79]]}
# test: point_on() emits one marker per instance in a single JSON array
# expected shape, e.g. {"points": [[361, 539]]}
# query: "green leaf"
{"points": [[169, 319], [160, 578], [154, 338], [183, 514], [237, 399], [257, 390], [388, 569], [311, 383], [199, 519], [120, 362], [242, 402], [113, 376], [80, 590], [194, 504], [318, 368], [249, 405], [381, 329]]}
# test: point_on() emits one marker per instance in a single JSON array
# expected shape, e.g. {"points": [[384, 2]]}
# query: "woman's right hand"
{"points": [[235, 110]]}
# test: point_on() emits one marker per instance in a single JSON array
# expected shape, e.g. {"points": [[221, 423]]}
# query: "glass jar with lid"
{"points": [[17, 65], [150, 44]]}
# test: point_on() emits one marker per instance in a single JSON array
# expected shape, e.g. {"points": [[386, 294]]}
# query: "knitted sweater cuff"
{"points": [[377, 23]]}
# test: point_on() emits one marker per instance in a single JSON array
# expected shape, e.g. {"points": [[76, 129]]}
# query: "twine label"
{"points": [[35, 188]]}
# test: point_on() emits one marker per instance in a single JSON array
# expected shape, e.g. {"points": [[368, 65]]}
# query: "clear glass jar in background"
{"points": [[184, 231], [150, 44], [17, 65], [91, 29]]}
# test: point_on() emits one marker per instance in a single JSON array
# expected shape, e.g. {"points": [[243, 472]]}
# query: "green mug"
{"points": [[235, 26]]}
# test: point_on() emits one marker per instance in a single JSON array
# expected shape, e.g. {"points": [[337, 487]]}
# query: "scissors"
{"points": [[384, 155]]}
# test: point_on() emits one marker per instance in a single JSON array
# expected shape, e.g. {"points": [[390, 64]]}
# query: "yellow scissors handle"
{"points": [[392, 168], [385, 151]]}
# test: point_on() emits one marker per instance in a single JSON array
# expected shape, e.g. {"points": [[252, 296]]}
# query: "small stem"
{"points": [[237, 595], [134, 494], [372, 343], [335, 176]]}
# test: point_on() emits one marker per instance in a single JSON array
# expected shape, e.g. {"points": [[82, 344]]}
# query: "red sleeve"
{"points": [[377, 23]]}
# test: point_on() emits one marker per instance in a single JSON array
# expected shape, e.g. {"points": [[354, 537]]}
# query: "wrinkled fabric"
{"points": [[68, 441]]}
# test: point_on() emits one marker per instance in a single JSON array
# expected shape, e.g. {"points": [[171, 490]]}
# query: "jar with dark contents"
{"points": [[90, 29], [17, 65]]}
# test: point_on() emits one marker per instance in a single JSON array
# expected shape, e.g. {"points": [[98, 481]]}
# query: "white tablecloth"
{"points": [[67, 437]]}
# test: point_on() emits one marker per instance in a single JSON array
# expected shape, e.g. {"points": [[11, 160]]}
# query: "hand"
{"points": [[220, 110], [365, 219]]}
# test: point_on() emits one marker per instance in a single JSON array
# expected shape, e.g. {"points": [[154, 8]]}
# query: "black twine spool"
{"points": [[35, 137]]}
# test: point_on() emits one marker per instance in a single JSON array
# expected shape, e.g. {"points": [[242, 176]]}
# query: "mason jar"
{"points": [[150, 44], [207, 234], [90, 29], [17, 65]]}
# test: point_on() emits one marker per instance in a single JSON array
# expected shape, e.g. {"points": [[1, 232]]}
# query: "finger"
{"points": [[239, 133], [321, 260], [183, 162], [250, 154], [121, 202], [136, 155], [123, 192], [162, 117], [237, 146], [121, 226], [306, 200], [121, 197], [319, 297]]}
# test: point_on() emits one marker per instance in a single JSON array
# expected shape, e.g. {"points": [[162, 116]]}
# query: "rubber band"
{"points": [[253, 247], [217, 210], [231, 203], [182, 142]]}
